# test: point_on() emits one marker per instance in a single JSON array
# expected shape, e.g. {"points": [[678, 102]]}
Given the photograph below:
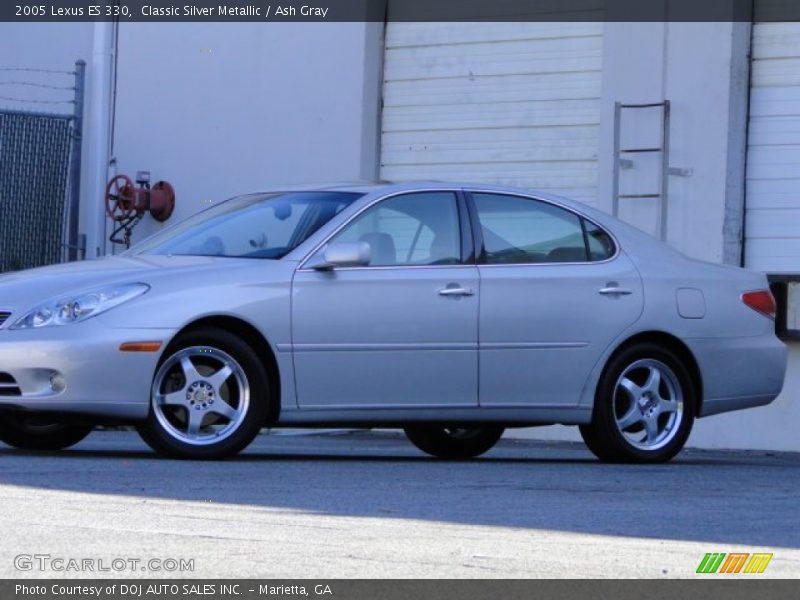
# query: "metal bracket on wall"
{"points": [[621, 163]]}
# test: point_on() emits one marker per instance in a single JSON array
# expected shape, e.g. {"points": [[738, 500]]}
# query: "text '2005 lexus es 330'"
{"points": [[452, 311]]}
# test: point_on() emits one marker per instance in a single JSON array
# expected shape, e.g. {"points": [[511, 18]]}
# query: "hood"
{"points": [[22, 290]]}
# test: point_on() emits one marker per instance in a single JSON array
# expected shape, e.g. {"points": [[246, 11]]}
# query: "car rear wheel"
{"points": [[453, 442], [209, 397], [644, 407], [30, 431]]}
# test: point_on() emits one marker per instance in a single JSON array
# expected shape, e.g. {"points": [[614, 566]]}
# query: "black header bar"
{"points": [[736, 588], [397, 10]]}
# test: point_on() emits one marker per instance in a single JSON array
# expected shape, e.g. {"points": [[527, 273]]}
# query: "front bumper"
{"points": [[98, 378]]}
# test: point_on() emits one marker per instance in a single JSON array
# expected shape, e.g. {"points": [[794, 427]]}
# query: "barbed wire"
{"points": [[33, 70], [24, 82], [39, 85], [11, 99]]}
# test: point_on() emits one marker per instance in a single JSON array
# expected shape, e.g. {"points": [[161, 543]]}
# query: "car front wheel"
{"points": [[644, 407], [209, 397], [29, 431], [453, 442]]}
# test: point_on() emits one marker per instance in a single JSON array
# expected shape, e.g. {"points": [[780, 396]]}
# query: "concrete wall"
{"points": [[223, 109], [702, 69]]}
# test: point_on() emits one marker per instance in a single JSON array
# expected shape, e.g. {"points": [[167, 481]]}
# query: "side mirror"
{"points": [[342, 254]]}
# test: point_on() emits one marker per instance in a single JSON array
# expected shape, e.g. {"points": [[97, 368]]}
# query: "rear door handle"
{"points": [[614, 291], [456, 291]]}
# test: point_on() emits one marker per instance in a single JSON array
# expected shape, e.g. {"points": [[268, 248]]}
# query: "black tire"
{"points": [[453, 443], [604, 436], [157, 431], [29, 431]]}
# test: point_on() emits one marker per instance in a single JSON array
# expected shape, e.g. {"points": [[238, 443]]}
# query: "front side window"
{"points": [[254, 226], [412, 229]]}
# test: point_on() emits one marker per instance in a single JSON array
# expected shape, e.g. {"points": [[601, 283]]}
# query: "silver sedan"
{"points": [[452, 311]]}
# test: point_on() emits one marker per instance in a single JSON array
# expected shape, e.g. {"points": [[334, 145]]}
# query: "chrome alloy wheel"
{"points": [[200, 395], [648, 404]]}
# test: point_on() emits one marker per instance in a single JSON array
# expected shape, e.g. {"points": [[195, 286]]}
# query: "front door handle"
{"points": [[456, 291], [614, 291]]}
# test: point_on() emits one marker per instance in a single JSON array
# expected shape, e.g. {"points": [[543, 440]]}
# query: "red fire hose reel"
{"points": [[127, 203]]}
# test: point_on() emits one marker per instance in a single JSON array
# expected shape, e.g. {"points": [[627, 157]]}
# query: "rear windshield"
{"points": [[253, 226]]}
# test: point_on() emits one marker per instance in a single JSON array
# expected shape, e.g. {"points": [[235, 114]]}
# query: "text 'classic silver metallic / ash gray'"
{"points": [[452, 311]]}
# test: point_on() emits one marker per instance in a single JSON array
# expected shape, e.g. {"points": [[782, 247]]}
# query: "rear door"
{"points": [[555, 292]]}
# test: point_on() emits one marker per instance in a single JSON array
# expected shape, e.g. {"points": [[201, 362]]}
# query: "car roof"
{"points": [[367, 187], [362, 187]]}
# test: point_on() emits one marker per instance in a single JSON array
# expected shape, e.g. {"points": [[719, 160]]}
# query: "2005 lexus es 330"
{"points": [[452, 311]]}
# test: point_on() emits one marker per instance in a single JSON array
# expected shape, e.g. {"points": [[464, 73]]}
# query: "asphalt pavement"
{"points": [[365, 505]]}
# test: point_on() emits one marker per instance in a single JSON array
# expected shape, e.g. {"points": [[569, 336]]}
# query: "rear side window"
{"points": [[600, 245], [519, 230]]}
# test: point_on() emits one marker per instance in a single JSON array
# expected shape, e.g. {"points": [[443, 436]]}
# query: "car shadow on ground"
{"points": [[715, 497]]}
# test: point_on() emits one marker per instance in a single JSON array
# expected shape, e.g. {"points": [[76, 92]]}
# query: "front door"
{"points": [[401, 332]]}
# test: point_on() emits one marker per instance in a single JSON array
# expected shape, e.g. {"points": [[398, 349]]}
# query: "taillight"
{"points": [[762, 301]]}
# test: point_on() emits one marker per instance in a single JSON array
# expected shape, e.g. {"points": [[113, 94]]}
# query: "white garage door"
{"points": [[511, 103], [772, 224]]}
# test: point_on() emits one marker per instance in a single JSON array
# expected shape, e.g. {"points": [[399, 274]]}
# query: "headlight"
{"points": [[80, 307]]}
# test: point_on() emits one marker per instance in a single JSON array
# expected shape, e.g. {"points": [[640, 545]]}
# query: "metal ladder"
{"points": [[626, 163]]}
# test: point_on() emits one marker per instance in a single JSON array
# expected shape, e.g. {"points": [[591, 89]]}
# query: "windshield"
{"points": [[254, 226]]}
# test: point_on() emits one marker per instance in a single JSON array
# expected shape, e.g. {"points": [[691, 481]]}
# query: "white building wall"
{"points": [[223, 109], [702, 69]]}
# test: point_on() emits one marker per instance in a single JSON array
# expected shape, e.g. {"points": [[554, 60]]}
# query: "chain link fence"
{"points": [[39, 174]]}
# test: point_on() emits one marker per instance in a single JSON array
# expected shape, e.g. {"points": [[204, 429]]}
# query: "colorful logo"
{"points": [[735, 562]]}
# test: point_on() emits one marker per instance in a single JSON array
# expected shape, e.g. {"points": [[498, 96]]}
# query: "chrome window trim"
{"points": [[391, 267], [580, 214], [454, 191]]}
